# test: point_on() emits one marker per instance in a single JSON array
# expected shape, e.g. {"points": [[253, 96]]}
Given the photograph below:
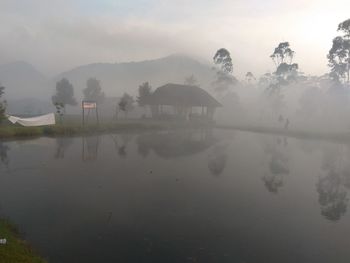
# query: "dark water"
{"points": [[185, 196]]}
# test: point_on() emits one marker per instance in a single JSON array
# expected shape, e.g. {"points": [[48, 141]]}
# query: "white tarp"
{"points": [[48, 119]]}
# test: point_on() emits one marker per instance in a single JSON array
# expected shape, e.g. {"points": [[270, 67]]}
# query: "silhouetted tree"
{"points": [[64, 95], [223, 59], [145, 91], [126, 104], [339, 55], [265, 80], [224, 77], [249, 77], [2, 104], [286, 70], [93, 91], [191, 80], [282, 54]]}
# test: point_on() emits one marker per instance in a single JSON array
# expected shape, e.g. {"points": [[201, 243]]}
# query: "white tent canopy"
{"points": [[47, 119]]}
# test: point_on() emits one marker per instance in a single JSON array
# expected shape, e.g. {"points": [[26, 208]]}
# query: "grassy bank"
{"points": [[299, 134], [15, 250], [70, 129]]}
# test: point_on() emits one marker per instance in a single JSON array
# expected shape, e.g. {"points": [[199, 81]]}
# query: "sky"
{"points": [[57, 35]]}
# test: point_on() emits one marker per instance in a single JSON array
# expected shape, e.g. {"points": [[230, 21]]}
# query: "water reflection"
{"points": [[186, 218], [277, 164], [4, 148], [333, 184], [62, 144], [172, 144], [90, 146], [217, 159], [121, 142]]}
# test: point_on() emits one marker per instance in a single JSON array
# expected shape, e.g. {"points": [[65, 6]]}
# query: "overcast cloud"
{"points": [[57, 35]]}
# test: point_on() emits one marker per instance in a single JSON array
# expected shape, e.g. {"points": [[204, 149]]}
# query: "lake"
{"points": [[179, 196]]}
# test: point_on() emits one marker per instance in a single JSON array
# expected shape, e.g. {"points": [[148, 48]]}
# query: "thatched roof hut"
{"points": [[183, 95]]}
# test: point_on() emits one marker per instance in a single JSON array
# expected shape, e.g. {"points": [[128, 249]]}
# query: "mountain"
{"points": [[117, 78], [22, 80], [29, 92]]}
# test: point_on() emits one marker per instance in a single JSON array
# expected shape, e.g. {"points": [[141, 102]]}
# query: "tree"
{"points": [[249, 77], [223, 59], [126, 104], [286, 70], [191, 80], [2, 104], [339, 55], [282, 54], [145, 91], [93, 91], [224, 77], [64, 95]]}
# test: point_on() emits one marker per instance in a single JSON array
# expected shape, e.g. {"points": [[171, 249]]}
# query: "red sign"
{"points": [[89, 105]]}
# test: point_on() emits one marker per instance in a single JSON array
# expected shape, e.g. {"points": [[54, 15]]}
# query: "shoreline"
{"points": [[19, 132], [10, 132], [294, 133], [16, 249]]}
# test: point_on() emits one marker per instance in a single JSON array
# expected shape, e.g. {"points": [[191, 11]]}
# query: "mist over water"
{"points": [[179, 196], [175, 131]]}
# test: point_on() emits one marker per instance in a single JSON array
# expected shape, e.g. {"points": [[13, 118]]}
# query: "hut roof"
{"points": [[182, 95]]}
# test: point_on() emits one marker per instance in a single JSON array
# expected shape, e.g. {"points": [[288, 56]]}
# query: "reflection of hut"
{"points": [[182, 101], [175, 144]]}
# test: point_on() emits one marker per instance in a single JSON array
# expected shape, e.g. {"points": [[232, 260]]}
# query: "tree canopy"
{"points": [[2, 103], [286, 70], [126, 103], [224, 78], [249, 76], [339, 55], [64, 94], [282, 54], [223, 59], [145, 91], [93, 91]]}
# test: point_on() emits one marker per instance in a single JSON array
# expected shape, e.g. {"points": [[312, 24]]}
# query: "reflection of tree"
{"points": [[333, 186], [175, 144], [61, 146], [278, 166], [332, 196], [3, 153], [142, 148], [90, 148], [217, 159], [121, 142]]}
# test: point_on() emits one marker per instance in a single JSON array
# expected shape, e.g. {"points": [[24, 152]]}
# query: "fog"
{"points": [[174, 131], [123, 45]]}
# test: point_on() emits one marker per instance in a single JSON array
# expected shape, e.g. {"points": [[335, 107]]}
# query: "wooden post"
{"points": [[98, 122], [82, 105]]}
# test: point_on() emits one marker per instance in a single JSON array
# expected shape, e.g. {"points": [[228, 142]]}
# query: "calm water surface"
{"points": [[185, 196]]}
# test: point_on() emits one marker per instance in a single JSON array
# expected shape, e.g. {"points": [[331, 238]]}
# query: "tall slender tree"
{"points": [[224, 78], [286, 70], [339, 55]]}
